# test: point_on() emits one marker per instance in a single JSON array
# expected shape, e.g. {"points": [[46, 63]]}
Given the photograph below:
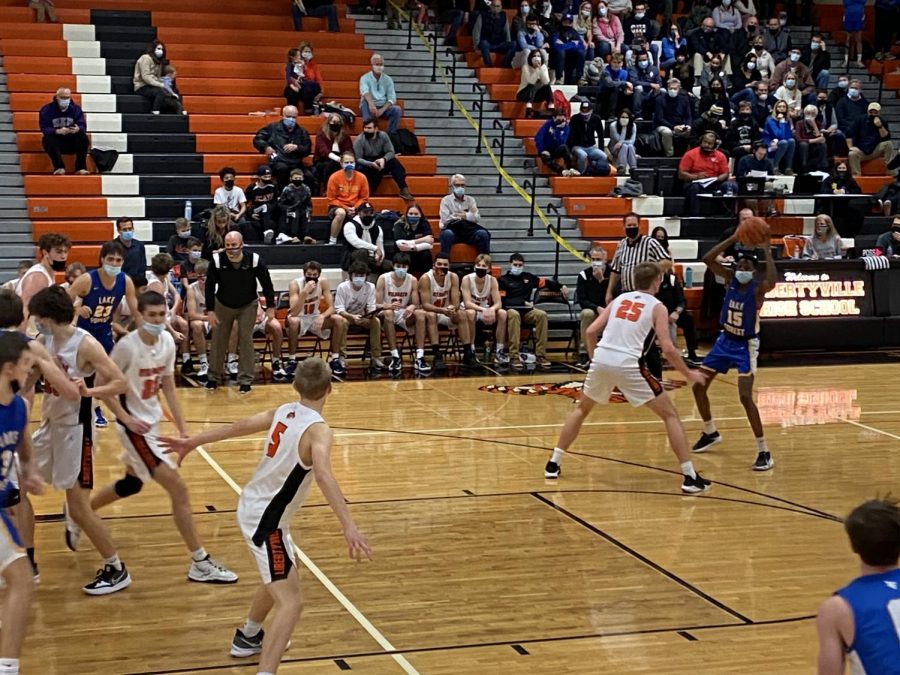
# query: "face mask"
{"points": [[184, 235], [289, 122], [296, 182], [42, 329], [821, 229], [234, 253], [400, 272], [367, 220], [708, 29], [524, 9], [532, 29], [459, 192], [726, 3], [586, 14], [673, 93], [716, 90], [335, 127], [228, 184], [516, 271], [413, 220], [751, 28], [314, 280], [853, 91], [359, 281], [378, 70], [763, 97], [822, 102], [496, 10], [128, 235], [814, 46], [369, 134], [159, 51], [154, 329], [643, 64], [560, 124], [706, 151], [789, 83], [63, 103], [758, 49], [632, 232], [795, 57], [598, 264], [481, 272], [536, 62], [623, 121], [841, 173], [58, 265], [266, 179], [638, 16], [603, 11], [810, 118], [194, 256], [895, 229], [743, 276], [782, 22], [843, 84], [349, 166], [306, 56]]}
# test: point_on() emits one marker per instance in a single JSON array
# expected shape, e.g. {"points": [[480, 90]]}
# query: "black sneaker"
{"points": [[583, 362], [395, 365], [337, 367], [245, 389], [187, 367], [693, 361], [421, 366], [552, 470], [291, 367], [108, 580], [707, 441], [438, 364], [243, 646], [764, 461], [469, 360], [692, 486], [212, 385], [35, 574]]}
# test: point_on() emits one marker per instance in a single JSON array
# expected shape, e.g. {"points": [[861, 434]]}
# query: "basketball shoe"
{"points": [[707, 441], [692, 486], [108, 580], [210, 572], [73, 532], [552, 470], [764, 461]]}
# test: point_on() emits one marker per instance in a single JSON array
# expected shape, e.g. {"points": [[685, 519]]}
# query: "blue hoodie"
{"points": [[549, 136], [52, 118]]}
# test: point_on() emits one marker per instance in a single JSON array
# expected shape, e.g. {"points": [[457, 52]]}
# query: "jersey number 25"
{"points": [[630, 311]]}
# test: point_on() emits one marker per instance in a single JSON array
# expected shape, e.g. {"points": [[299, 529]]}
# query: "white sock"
{"points": [[262, 673], [251, 628], [761, 445], [395, 353], [185, 357], [335, 356], [114, 561], [294, 356], [709, 427], [420, 353], [499, 347], [232, 357], [557, 455], [9, 666], [687, 468], [199, 554], [203, 359], [332, 240]]}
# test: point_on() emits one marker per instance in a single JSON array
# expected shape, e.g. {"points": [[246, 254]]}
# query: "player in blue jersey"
{"points": [[738, 344], [15, 447], [861, 622], [98, 294]]}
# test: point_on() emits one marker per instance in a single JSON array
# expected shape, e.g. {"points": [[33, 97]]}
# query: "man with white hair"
{"points": [[286, 144], [460, 221], [64, 132], [378, 99]]}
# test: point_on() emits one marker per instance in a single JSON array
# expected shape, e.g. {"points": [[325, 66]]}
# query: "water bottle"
{"points": [[688, 276], [188, 210]]}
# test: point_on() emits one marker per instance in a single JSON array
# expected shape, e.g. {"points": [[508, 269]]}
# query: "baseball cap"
{"points": [[586, 106], [874, 106], [366, 206], [716, 109], [264, 170]]}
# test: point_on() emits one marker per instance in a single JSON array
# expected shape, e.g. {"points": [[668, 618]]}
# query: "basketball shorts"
{"points": [[10, 541], [275, 556], [260, 328], [142, 453], [64, 454], [306, 326], [634, 381], [104, 335], [402, 322], [444, 321], [729, 352]]}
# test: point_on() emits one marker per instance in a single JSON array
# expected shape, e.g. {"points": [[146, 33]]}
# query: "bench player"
{"points": [[482, 305], [439, 292], [397, 293], [305, 314]]}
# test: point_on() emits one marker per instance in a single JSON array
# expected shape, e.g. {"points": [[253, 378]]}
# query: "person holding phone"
{"points": [[64, 132]]}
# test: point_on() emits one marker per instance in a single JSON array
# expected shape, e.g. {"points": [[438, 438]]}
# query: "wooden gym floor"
{"points": [[481, 565]]}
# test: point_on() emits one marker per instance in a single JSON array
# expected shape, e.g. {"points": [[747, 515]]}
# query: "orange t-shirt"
{"points": [[345, 193], [695, 161]]}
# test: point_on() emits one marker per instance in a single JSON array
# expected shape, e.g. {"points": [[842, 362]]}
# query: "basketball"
{"points": [[753, 231]]}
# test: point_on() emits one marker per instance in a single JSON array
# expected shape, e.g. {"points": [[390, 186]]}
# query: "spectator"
{"points": [[887, 16], [64, 132], [42, 10], [742, 134], [590, 294], [219, 224], [177, 246], [792, 65], [231, 298], [622, 139], [827, 121], [520, 21], [285, 143], [326, 8], [229, 195], [662, 236], [710, 121], [378, 97], [21, 268], [705, 43], [294, 208], [534, 84], [413, 235], [811, 142], [631, 251], [528, 41], [375, 158], [671, 41], [551, 140], [789, 93], [869, 139], [148, 72], [302, 77], [777, 40], [778, 135], [683, 70], [620, 7], [889, 242], [742, 40], [640, 27], [765, 62], [354, 302], [757, 160], [186, 271], [567, 52], [712, 70], [490, 35], [363, 240], [819, 61], [135, 264], [583, 25], [840, 90], [451, 13], [517, 290], [347, 189], [671, 294], [727, 17], [608, 33], [73, 271], [851, 108], [260, 223], [746, 76], [331, 142], [704, 170], [460, 220], [586, 142], [699, 12], [716, 95], [673, 117], [616, 92], [825, 244], [172, 102], [854, 20], [841, 182], [644, 77]]}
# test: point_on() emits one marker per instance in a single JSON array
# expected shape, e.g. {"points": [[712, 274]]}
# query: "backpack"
{"points": [[560, 102], [104, 158], [631, 188], [648, 145], [405, 142], [334, 107]]}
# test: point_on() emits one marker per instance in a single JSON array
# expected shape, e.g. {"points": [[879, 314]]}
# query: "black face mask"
{"points": [[315, 280], [58, 265], [335, 127], [480, 272], [369, 134], [632, 232], [895, 228], [366, 220], [228, 184], [297, 182]]}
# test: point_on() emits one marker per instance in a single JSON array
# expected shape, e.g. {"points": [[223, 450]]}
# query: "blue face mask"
{"points": [[127, 235], [349, 166], [743, 276], [185, 235], [400, 272], [42, 329], [154, 329], [112, 270], [413, 220], [359, 281], [516, 271], [289, 122], [195, 255], [459, 191]]}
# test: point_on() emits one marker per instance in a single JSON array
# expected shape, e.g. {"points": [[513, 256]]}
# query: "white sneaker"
{"points": [[203, 370], [268, 235], [73, 532], [210, 572], [233, 368]]}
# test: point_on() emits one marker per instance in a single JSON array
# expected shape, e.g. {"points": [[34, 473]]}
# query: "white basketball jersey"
{"points": [[311, 304], [630, 326], [35, 269], [144, 367], [481, 298], [54, 408], [440, 294], [199, 297], [402, 293], [281, 481]]}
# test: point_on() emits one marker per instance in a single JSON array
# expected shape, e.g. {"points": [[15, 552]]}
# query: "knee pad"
{"points": [[129, 485]]}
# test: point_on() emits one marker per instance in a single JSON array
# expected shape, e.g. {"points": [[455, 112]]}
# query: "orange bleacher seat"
{"points": [[79, 231], [36, 186], [872, 184], [499, 76], [430, 205], [585, 185], [67, 207], [596, 206], [606, 228]]}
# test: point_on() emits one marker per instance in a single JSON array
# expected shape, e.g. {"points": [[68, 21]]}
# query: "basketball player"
{"points": [[863, 618], [97, 295], [147, 358], [64, 442], [15, 363], [398, 294], [439, 291], [159, 280], [54, 252], [297, 450], [483, 306], [738, 344], [198, 317], [271, 328], [630, 324], [305, 314]]}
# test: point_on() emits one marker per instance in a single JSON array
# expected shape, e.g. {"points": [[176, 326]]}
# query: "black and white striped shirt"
{"points": [[629, 255]]}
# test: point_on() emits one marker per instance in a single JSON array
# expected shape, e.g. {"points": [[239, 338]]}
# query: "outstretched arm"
{"points": [[249, 425]]}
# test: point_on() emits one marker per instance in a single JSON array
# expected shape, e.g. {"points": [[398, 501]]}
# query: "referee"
{"points": [[633, 250]]}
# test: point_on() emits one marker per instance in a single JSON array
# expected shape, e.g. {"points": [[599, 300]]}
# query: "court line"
{"points": [[325, 581], [872, 429]]}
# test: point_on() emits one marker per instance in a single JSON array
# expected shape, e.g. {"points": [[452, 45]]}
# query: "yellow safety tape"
{"points": [[487, 146]]}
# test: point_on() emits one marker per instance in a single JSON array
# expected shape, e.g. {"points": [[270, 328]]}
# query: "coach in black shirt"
{"points": [[590, 293], [231, 296]]}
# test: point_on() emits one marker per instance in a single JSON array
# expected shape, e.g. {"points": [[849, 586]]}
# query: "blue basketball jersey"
{"points": [[875, 602], [739, 317], [102, 303], [13, 418]]}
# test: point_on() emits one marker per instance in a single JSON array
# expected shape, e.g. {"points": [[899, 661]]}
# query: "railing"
{"points": [[409, 30], [556, 208], [530, 184], [434, 54], [479, 106], [500, 143], [452, 54]]}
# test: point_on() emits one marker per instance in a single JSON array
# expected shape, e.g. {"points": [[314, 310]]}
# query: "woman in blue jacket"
{"points": [[778, 134]]}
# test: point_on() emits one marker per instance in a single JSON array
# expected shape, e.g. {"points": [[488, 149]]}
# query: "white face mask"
{"points": [[743, 276], [751, 65], [598, 264], [623, 121], [790, 83], [603, 11], [63, 103], [306, 56], [159, 51], [586, 13], [378, 70], [795, 57], [638, 16], [673, 93], [359, 281]]}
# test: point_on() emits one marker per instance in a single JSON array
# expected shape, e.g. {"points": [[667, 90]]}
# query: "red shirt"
{"points": [[695, 161]]}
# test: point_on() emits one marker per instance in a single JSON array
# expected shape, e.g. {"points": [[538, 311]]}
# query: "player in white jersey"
{"points": [[397, 293], [354, 302], [439, 293], [198, 317], [306, 295], [54, 252], [482, 304], [629, 325], [297, 450], [64, 442]]}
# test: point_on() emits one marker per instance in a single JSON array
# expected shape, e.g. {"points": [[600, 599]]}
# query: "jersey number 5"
{"points": [[151, 387], [279, 429], [630, 311]]}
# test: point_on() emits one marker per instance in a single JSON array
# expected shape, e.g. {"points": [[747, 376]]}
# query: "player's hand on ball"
{"points": [[357, 544]]}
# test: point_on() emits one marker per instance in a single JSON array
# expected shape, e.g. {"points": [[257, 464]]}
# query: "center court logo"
{"points": [[568, 389]]}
